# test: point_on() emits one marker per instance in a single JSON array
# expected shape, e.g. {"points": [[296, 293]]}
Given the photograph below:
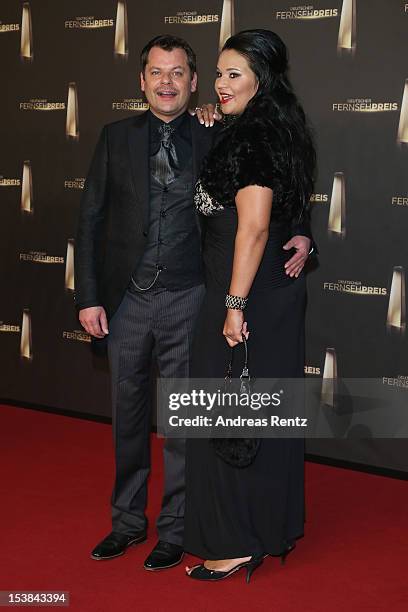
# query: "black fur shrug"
{"points": [[251, 151]]}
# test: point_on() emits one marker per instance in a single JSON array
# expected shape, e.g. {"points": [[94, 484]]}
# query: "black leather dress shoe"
{"points": [[115, 544], [163, 556]]}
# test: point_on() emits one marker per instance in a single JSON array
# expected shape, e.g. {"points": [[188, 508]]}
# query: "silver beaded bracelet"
{"points": [[235, 302]]}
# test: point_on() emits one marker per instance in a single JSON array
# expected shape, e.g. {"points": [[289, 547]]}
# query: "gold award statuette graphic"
{"points": [[227, 22], [121, 50], [26, 346], [402, 137], [26, 44], [69, 266], [27, 189], [329, 382], [72, 123], [337, 214], [346, 43], [396, 314]]}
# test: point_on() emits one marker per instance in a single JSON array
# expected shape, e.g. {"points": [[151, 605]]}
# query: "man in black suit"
{"points": [[138, 266]]}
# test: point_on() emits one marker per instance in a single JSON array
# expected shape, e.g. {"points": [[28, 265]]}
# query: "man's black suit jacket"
{"points": [[114, 211]]}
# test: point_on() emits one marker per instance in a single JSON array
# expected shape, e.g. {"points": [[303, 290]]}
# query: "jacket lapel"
{"points": [[202, 141], [199, 144], [138, 141]]}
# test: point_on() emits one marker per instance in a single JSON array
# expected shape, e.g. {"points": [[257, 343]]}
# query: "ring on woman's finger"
{"points": [[198, 108]]}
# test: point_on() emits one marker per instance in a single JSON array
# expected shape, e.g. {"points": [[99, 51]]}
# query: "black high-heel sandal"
{"points": [[290, 546], [200, 572]]}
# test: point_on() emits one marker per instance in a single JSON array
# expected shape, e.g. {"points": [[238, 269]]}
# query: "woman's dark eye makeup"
{"points": [[232, 75]]}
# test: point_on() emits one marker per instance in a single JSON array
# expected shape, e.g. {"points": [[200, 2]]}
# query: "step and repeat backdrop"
{"points": [[71, 66]]}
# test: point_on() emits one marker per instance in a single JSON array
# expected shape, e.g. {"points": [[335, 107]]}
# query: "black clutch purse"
{"points": [[237, 452]]}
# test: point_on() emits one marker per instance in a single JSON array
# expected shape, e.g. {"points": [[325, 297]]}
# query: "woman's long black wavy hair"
{"points": [[276, 104]]}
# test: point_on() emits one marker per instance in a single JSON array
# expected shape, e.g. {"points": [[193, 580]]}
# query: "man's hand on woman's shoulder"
{"points": [[207, 114]]}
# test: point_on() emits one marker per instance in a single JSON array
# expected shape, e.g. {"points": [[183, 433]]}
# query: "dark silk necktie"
{"points": [[164, 164]]}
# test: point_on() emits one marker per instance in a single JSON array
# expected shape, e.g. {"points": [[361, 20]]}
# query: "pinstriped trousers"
{"points": [[153, 324]]}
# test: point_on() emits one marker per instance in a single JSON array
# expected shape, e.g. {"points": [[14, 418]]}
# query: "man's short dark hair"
{"points": [[168, 43]]}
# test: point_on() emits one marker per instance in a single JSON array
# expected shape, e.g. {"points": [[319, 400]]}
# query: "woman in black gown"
{"points": [[255, 183]]}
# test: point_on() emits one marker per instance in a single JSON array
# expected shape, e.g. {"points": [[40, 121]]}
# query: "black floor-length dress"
{"points": [[236, 512]]}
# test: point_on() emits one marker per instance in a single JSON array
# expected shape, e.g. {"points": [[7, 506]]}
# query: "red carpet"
{"points": [[56, 481]]}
